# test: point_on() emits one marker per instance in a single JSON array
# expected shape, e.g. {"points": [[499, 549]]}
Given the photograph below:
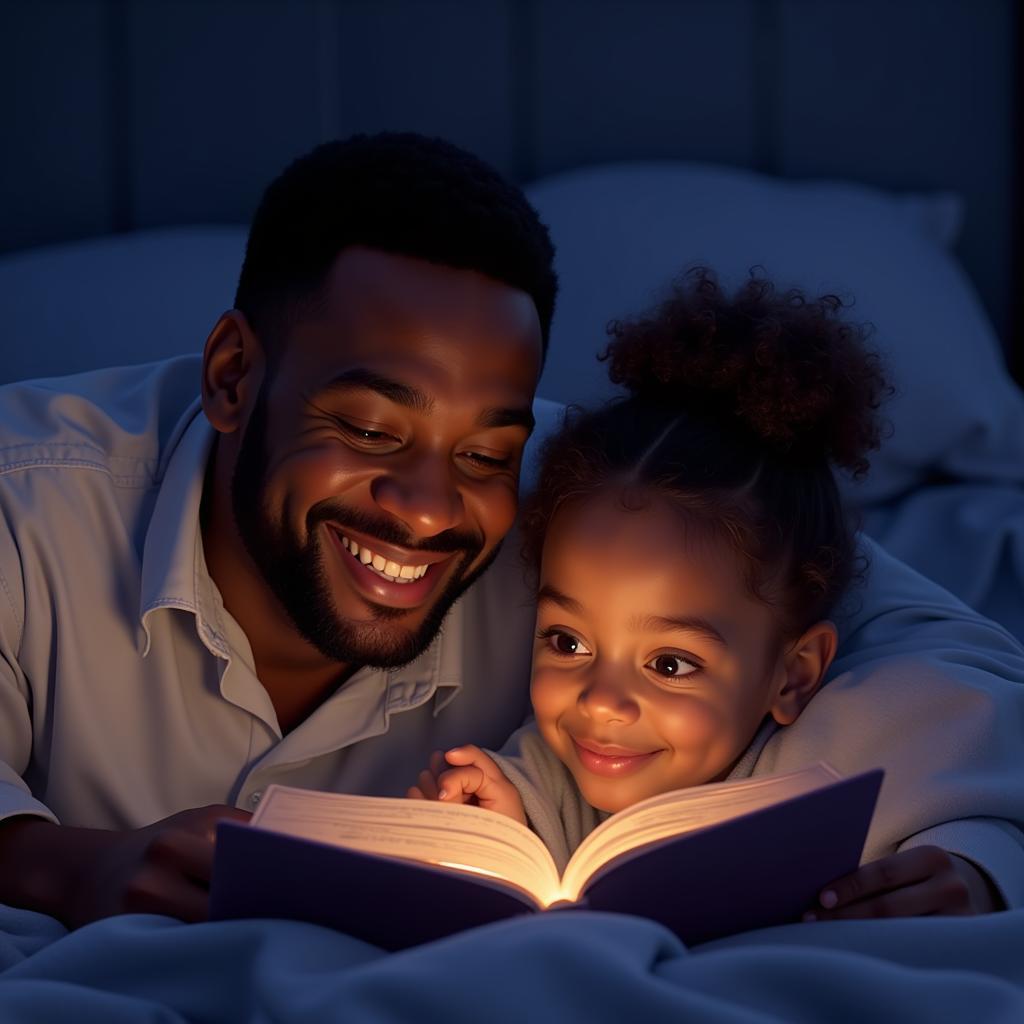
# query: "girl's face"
{"points": [[653, 666]]}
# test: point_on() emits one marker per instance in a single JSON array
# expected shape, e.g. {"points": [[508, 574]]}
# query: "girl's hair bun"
{"points": [[785, 367]]}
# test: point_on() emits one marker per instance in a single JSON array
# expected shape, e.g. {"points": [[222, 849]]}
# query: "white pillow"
{"points": [[116, 300], [623, 231]]}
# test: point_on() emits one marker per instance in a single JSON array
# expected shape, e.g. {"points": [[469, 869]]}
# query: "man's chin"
{"points": [[387, 652], [390, 637], [384, 643]]}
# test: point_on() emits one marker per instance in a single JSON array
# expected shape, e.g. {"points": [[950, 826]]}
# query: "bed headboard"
{"points": [[124, 115]]}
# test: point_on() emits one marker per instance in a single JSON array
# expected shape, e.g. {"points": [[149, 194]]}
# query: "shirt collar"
{"points": [[169, 556]]}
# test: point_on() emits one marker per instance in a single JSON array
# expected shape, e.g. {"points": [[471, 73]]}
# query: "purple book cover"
{"points": [[388, 902], [762, 868]]}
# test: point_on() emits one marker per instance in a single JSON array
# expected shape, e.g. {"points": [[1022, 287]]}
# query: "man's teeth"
{"points": [[382, 566]]}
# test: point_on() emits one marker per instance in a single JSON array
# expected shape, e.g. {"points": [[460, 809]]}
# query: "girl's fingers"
{"points": [[470, 755], [464, 755], [478, 779], [457, 784], [427, 785]]}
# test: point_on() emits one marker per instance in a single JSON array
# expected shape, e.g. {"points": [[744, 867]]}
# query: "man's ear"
{"points": [[233, 368], [805, 663]]}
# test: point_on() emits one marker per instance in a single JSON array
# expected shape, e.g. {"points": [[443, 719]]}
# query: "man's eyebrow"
{"points": [[359, 378], [672, 624], [554, 595]]}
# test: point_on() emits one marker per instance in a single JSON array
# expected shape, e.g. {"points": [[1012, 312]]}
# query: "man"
{"points": [[203, 596]]}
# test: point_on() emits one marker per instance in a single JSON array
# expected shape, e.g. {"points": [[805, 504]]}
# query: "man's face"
{"points": [[379, 467]]}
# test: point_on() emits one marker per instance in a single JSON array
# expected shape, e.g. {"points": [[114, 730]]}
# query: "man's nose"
{"points": [[607, 698], [423, 494]]}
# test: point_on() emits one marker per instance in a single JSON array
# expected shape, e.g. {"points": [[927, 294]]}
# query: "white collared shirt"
{"points": [[127, 690]]}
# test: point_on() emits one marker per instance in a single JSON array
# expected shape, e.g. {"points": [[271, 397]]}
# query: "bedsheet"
{"points": [[568, 966]]}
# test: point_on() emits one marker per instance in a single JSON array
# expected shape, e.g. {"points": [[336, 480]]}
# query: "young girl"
{"points": [[690, 542]]}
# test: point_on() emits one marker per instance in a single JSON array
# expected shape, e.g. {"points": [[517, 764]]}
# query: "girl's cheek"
{"points": [[690, 721], [549, 693]]}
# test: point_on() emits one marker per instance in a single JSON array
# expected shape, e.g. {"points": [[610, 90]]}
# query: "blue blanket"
{"points": [[583, 966]]}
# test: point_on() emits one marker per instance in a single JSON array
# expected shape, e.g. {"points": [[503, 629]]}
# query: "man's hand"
{"points": [[474, 779], [80, 875], [920, 881]]}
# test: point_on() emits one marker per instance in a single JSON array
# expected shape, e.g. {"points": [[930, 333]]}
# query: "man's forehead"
{"points": [[417, 323], [369, 282], [414, 330]]}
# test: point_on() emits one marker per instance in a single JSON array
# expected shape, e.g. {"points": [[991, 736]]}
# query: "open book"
{"points": [[706, 861]]}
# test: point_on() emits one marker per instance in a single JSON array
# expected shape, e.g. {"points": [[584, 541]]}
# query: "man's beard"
{"points": [[296, 574]]}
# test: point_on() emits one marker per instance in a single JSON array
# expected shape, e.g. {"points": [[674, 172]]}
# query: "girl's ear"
{"points": [[805, 664], [233, 366]]}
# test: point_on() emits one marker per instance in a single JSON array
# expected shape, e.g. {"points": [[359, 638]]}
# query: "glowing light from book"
{"points": [[470, 868]]}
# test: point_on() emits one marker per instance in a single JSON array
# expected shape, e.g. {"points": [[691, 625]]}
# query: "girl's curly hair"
{"points": [[737, 408]]}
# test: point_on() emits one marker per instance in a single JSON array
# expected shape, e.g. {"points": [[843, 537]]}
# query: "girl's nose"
{"points": [[607, 700]]}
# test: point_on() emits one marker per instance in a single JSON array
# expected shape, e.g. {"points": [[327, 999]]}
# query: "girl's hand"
{"points": [[474, 779], [912, 883]]}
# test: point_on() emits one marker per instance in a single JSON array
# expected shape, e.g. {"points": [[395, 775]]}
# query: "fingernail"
{"points": [[810, 916], [442, 793], [829, 899]]}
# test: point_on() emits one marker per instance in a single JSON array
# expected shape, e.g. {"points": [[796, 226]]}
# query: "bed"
{"points": [[730, 135]]}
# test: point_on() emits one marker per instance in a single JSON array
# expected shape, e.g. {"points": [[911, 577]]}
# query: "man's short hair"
{"points": [[400, 193]]}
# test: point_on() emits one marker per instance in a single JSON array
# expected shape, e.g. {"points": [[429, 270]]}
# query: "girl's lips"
{"points": [[381, 591], [612, 761]]}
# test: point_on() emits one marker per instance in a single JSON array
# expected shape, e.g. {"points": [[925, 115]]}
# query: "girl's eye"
{"points": [[672, 666], [564, 643]]}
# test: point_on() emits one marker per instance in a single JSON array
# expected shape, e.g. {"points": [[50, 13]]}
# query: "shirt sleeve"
{"points": [[15, 699], [933, 693]]}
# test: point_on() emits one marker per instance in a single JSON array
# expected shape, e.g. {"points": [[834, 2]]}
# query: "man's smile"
{"points": [[386, 568], [386, 574]]}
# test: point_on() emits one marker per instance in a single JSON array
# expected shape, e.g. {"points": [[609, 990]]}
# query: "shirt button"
{"points": [[255, 798]]}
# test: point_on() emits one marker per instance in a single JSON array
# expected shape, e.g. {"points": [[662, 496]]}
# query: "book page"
{"points": [[684, 810], [458, 836]]}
